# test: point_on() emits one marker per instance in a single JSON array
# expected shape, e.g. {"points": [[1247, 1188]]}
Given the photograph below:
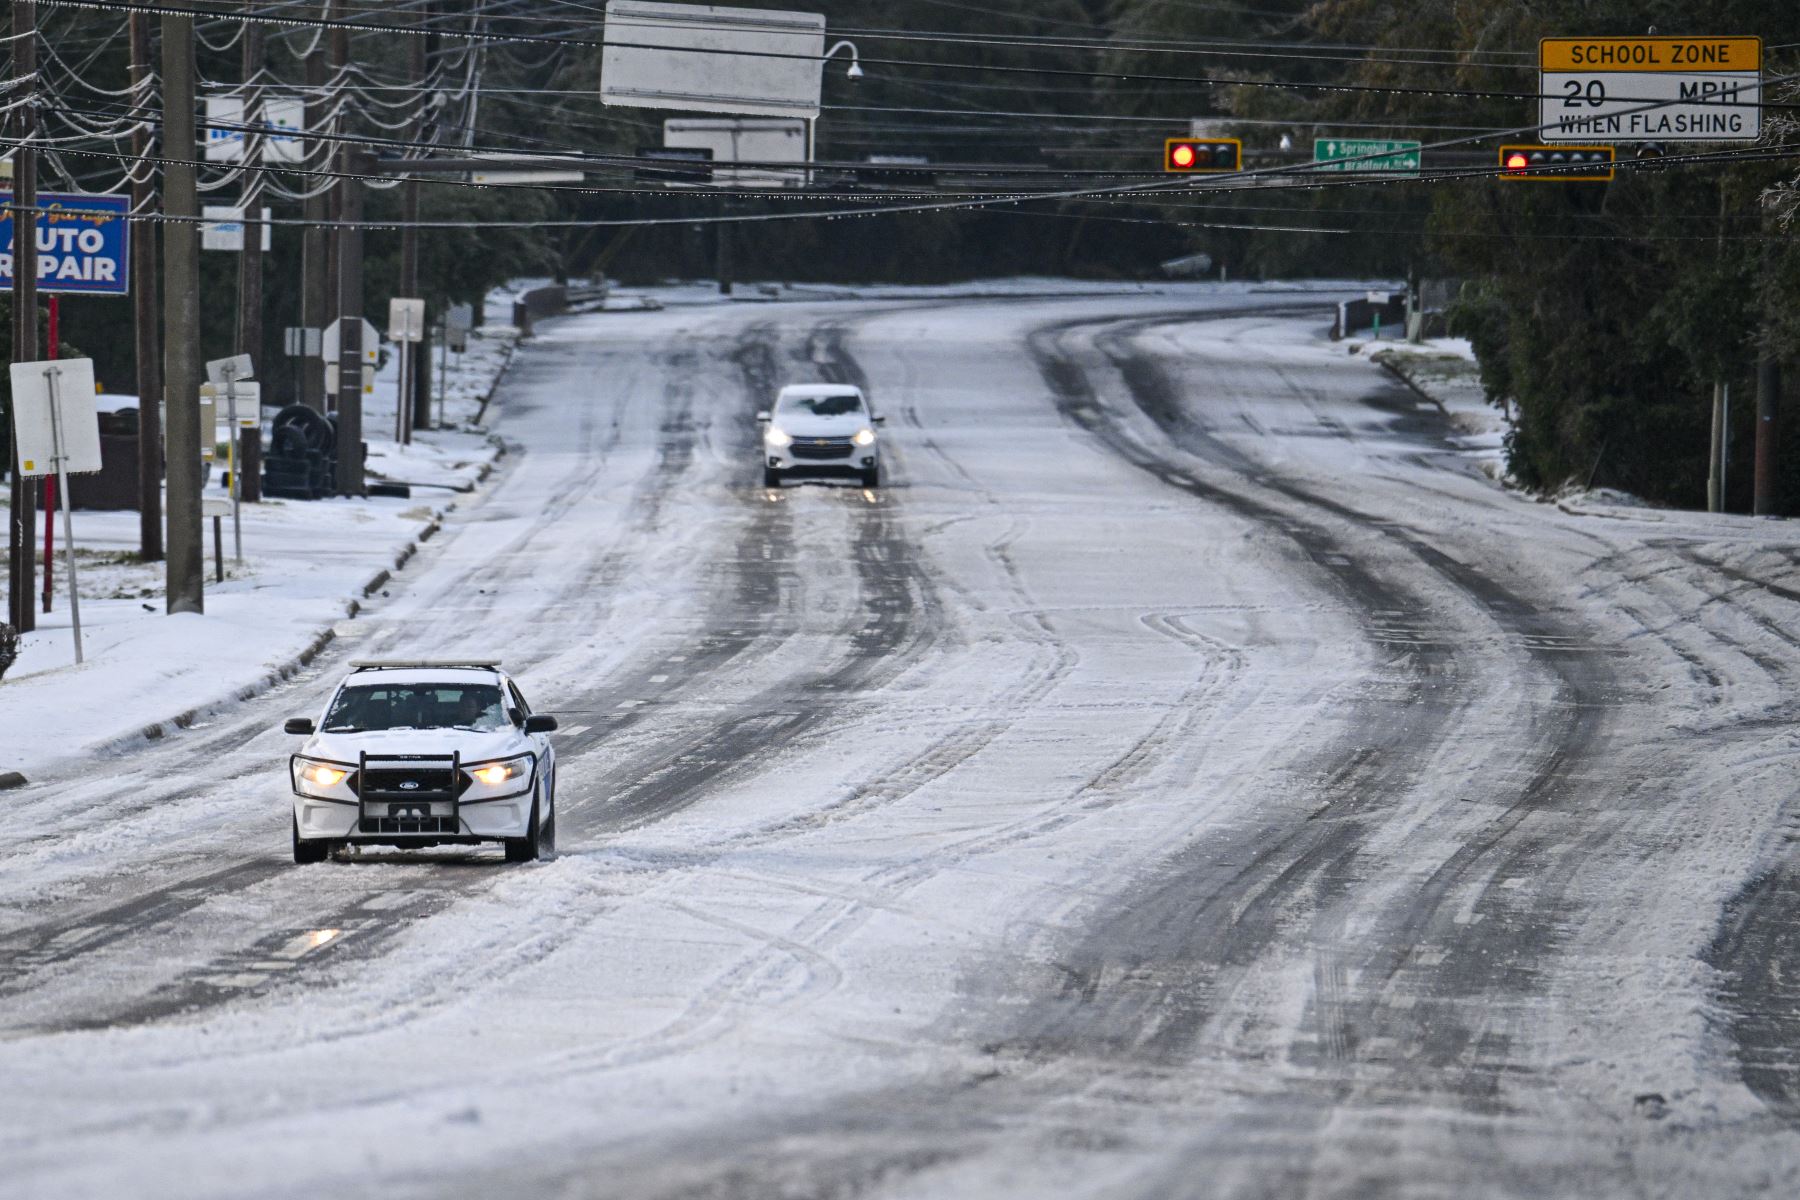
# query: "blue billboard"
{"points": [[83, 244]]}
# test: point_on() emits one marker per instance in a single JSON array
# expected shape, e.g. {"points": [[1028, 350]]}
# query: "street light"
{"points": [[855, 71]]}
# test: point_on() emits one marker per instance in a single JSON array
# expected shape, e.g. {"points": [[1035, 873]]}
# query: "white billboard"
{"points": [[709, 58], [743, 139], [222, 228], [285, 118], [224, 145]]}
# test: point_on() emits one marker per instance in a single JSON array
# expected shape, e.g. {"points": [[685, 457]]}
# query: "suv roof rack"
{"points": [[413, 664]]}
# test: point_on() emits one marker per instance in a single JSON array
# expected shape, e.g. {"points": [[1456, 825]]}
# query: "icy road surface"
{"points": [[1188, 777]]}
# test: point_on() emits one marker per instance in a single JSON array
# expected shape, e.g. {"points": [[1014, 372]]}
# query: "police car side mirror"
{"points": [[540, 724], [298, 725]]}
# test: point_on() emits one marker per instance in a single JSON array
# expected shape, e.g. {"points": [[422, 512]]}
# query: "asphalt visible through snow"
{"points": [[1185, 776]]}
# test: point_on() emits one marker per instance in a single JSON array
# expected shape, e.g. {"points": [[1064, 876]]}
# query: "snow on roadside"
{"points": [[306, 565], [1444, 371]]}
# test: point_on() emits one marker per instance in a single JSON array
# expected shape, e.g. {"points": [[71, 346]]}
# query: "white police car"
{"points": [[425, 753]]}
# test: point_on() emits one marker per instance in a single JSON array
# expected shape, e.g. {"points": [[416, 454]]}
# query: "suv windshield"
{"points": [[823, 406], [369, 707]]}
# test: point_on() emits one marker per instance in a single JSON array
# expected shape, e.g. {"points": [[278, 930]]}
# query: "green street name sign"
{"points": [[1352, 154]]}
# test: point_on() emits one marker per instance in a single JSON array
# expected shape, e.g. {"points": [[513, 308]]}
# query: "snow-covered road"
{"points": [[1188, 776]]}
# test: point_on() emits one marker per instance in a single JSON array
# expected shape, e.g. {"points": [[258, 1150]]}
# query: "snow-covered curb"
{"points": [[308, 565]]}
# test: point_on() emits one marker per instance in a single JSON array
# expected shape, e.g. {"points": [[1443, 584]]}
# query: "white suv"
{"points": [[425, 753], [820, 428]]}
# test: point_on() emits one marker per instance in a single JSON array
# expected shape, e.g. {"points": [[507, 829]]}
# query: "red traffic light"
{"points": [[1188, 155], [1566, 164]]}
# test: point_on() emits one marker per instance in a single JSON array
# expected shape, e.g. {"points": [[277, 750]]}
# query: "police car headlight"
{"points": [[326, 780], [778, 437], [864, 437], [489, 780]]}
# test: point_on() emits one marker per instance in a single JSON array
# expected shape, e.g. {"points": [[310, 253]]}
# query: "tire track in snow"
{"points": [[1229, 917]]}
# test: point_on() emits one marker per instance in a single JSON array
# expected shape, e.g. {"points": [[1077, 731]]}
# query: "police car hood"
{"points": [[469, 745]]}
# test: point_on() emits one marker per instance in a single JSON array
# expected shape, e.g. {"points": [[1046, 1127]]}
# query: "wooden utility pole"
{"points": [[315, 283], [1768, 389], [250, 262], [348, 264], [1768, 408], [21, 550], [415, 408], [186, 564], [144, 308]]}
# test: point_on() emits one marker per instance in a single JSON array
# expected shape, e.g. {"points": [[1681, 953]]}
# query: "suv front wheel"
{"points": [[537, 842], [309, 850]]}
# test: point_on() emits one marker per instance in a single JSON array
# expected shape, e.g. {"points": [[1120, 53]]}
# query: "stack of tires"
{"points": [[301, 461]]}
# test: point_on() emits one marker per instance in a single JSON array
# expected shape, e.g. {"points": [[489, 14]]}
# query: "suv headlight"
{"points": [[864, 437], [322, 779], [499, 778], [777, 437]]}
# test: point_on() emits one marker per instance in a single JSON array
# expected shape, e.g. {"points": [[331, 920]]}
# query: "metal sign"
{"points": [[222, 371], [406, 320], [284, 117], [302, 341], [222, 228], [460, 317], [1640, 89], [56, 429], [233, 375], [743, 139], [333, 375], [37, 418], [224, 145], [1366, 154], [371, 344], [84, 244], [709, 58]]}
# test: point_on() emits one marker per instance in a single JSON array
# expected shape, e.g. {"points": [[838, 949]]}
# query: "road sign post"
{"points": [[227, 372], [406, 325], [1640, 89], [56, 431]]}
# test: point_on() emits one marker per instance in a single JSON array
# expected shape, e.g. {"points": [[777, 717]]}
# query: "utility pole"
{"points": [[186, 567], [1721, 399], [1715, 474], [348, 263], [21, 551], [414, 408], [144, 308], [250, 262], [315, 291], [1768, 390], [1768, 407]]}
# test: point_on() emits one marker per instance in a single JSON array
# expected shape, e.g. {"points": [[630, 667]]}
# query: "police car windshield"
{"points": [[366, 708], [823, 406]]}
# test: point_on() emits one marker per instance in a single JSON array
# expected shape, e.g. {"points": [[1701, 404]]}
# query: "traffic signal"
{"points": [[1188, 156], [1580, 164]]}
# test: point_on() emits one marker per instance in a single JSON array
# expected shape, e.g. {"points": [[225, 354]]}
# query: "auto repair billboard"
{"points": [[83, 243]]}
